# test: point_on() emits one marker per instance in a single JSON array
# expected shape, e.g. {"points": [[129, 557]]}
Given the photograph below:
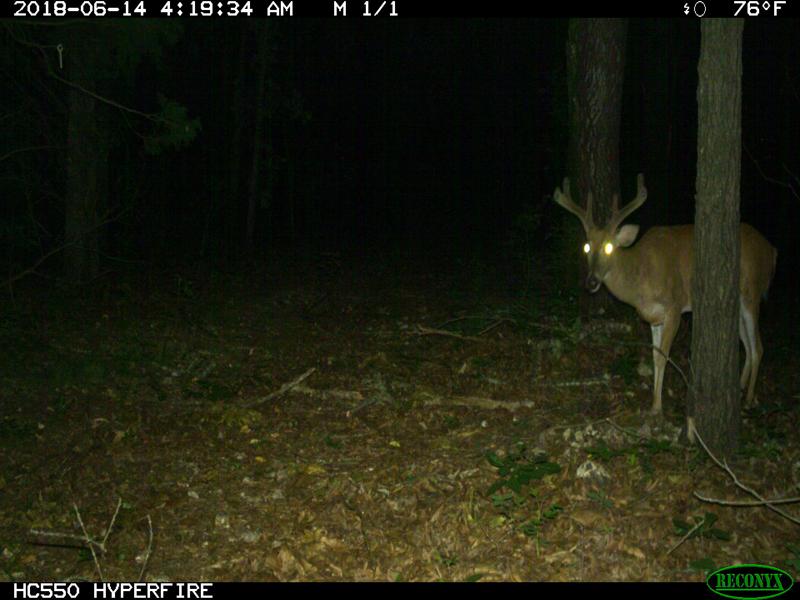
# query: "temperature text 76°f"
{"points": [[755, 8]]}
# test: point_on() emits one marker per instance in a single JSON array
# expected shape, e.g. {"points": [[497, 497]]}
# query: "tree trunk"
{"points": [[715, 405], [595, 71], [87, 155], [260, 133]]}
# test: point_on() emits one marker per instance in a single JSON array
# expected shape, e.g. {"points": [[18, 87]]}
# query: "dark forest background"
{"points": [[215, 140]]}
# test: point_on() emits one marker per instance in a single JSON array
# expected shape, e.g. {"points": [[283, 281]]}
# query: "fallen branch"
{"points": [[105, 220], [147, 552], [687, 536], [477, 402], [89, 539], [283, 389], [495, 324], [771, 504], [86, 539], [338, 394], [575, 382], [422, 330], [430, 400]]}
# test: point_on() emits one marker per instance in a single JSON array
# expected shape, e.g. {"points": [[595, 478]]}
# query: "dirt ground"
{"points": [[330, 422]]}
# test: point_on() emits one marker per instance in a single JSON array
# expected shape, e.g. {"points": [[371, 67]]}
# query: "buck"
{"points": [[655, 277]]}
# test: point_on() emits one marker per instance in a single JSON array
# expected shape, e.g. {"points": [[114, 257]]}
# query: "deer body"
{"points": [[655, 277]]}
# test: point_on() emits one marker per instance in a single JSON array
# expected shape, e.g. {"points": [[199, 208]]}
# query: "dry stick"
{"points": [[149, 548], [8, 155], [495, 324], [657, 349], [457, 319], [686, 537], [111, 525], [32, 269], [747, 503], [422, 330], [89, 542], [283, 389], [354, 395], [474, 318], [769, 179], [65, 536], [724, 465], [85, 538], [793, 176], [43, 49]]}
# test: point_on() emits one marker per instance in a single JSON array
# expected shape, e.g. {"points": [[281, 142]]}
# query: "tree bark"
{"points": [[87, 156], [715, 403], [259, 187], [595, 72]]}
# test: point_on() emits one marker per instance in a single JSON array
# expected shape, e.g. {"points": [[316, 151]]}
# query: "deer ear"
{"points": [[626, 235]]}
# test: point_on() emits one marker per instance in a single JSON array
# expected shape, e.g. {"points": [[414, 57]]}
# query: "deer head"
{"points": [[602, 242]]}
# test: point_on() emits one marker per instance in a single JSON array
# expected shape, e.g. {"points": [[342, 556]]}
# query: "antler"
{"points": [[565, 199], [618, 216]]}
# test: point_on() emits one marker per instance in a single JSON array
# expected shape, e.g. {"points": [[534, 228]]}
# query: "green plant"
{"points": [[703, 527], [517, 470], [601, 498]]}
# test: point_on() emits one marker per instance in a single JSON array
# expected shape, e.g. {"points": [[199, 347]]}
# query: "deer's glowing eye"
{"points": [[586, 248], [608, 248]]}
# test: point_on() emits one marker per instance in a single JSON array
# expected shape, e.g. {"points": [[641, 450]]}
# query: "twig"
{"points": [[32, 269], [155, 118], [363, 405], [688, 534], [422, 330], [575, 382], [477, 402], [86, 538], [353, 395], [746, 503], [625, 430], [283, 389], [769, 179], [11, 153], [65, 536], [89, 542], [495, 324], [792, 175], [111, 524], [149, 548], [762, 501], [457, 319]]}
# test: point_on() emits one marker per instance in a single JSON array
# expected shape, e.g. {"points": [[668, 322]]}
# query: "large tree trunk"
{"points": [[259, 187], [87, 157], [715, 406], [595, 72]]}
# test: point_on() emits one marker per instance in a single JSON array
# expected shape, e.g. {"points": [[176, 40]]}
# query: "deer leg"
{"points": [[748, 349], [663, 334], [756, 349], [658, 368]]}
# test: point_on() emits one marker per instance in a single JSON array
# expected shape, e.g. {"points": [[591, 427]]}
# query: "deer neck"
{"points": [[624, 278]]}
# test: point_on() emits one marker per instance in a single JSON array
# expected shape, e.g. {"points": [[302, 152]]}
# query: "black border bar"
{"points": [[387, 9]]}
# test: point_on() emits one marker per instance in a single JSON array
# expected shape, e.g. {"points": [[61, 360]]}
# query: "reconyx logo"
{"points": [[749, 582]]}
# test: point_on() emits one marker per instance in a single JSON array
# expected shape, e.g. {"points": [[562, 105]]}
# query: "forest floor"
{"points": [[326, 422]]}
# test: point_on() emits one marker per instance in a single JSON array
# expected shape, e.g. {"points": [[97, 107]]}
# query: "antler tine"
{"points": [[618, 216], [564, 198]]}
